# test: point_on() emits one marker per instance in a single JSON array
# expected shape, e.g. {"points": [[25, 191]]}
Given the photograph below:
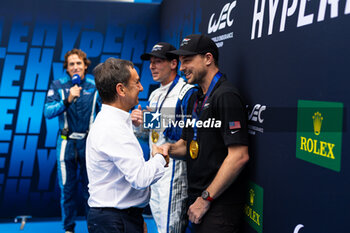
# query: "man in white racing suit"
{"points": [[169, 195]]}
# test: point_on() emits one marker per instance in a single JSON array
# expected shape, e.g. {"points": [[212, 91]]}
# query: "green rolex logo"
{"points": [[319, 133], [253, 208]]}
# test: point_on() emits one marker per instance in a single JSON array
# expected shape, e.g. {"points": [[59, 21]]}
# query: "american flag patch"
{"points": [[234, 125]]}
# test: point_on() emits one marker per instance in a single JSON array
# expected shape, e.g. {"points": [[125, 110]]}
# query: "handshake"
{"points": [[163, 150]]}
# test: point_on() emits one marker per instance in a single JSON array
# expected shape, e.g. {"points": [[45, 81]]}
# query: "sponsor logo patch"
{"points": [[319, 133]]}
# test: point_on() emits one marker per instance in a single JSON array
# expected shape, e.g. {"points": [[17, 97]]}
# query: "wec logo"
{"points": [[224, 18], [255, 114]]}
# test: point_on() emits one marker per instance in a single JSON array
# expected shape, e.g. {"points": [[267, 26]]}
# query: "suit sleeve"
{"points": [[54, 105]]}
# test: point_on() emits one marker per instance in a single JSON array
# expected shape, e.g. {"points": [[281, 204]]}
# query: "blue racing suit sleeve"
{"points": [[54, 105], [174, 132]]}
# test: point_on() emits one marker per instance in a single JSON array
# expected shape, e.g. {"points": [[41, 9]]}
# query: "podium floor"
{"points": [[56, 226]]}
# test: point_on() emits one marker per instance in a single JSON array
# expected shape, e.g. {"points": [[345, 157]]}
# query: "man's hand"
{"points": [[165, 147], [159, 150], [74, 92], [137, 116], [176, 150], [156, 150], [197, 210]]}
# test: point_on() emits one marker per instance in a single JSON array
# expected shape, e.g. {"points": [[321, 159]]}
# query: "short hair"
{"points": [[216, 58], [177, 62], [108, 74], [81, 54], [169, 58]]}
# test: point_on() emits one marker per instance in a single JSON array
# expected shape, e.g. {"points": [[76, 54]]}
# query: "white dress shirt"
{"points": [[118, 175]]}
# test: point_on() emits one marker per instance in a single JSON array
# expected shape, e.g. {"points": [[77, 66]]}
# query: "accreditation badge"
{"points": [[154, 136], [194, 149]]}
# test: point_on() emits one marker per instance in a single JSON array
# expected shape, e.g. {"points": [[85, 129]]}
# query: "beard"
{"points": [[198, 76]]}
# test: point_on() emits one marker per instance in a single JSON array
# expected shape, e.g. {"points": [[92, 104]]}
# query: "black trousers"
{"points": [[112, 220], [223, 218]]}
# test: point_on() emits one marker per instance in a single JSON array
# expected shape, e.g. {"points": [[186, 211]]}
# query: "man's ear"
{"points": [[173, 64], [209, 59], [120, 88]]}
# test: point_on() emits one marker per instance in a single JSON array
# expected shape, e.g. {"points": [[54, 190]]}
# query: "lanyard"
{"points": [[176, 80], [194, 111]]}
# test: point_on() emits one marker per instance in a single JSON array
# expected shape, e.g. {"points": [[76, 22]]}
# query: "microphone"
{"points": [[76, 82]]}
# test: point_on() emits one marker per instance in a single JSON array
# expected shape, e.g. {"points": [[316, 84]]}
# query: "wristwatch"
{"points": [[206, 196]]}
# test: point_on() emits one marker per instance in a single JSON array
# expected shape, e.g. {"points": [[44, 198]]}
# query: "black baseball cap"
{"points": [[160, 50], [197, 44]]}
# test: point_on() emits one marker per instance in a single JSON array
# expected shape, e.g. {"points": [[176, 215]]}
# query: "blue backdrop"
{"points": [[34, 36]]}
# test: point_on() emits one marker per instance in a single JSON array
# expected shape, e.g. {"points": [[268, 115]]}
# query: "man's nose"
{"points": [[182, 68]]}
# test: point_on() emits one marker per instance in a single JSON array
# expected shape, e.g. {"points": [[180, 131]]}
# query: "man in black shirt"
{"points": [[214, 141]]}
